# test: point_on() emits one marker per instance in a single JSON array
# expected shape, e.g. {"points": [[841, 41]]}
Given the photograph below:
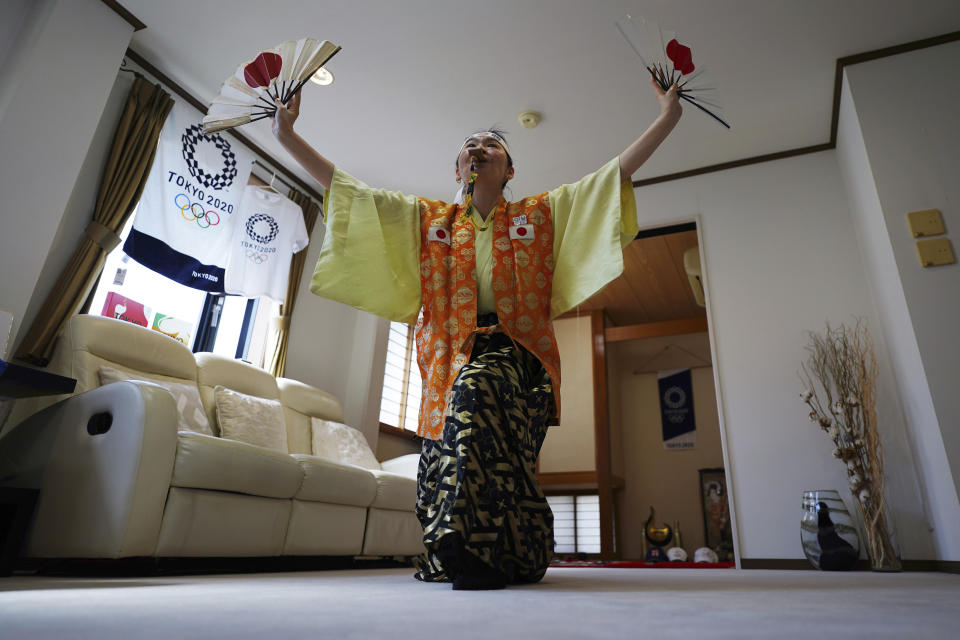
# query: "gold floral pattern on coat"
{"points": [[521, 280]]}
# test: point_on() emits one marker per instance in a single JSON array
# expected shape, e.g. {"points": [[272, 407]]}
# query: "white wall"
{"points": [[15, 15], [83, 198], [22, 23], [780, 258], [339, 349], [898, 151], [571, 445], [65, 65]]}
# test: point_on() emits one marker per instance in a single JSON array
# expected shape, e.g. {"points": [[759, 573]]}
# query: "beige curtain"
{"points": [[276, 360], [131, 156]]}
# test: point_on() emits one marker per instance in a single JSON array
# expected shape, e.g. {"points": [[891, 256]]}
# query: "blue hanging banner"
{"points": [[676, 409]]}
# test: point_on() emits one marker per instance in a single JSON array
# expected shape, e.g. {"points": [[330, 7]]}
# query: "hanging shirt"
{"points": [[268, 230], [184, 221]]}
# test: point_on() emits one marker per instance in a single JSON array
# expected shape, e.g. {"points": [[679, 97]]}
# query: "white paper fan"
{"points": [[276, 73], [668, 61]]}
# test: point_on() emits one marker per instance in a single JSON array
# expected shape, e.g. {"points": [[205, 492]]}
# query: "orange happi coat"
{"points": [[522, 283]]}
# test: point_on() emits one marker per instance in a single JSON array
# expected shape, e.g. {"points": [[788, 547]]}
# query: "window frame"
{"points": [[208, 324], [410, 361], [575, 494]]}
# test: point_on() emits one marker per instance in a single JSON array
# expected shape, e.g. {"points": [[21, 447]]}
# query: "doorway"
{"points": [[650, 321]]}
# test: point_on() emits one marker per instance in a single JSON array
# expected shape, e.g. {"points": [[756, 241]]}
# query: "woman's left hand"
{"points": [[669, 100]]}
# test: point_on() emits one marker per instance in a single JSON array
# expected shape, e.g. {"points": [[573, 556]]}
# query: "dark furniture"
{"points": [[16, 504]]}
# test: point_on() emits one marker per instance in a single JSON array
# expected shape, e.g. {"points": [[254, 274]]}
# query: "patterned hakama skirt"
{"points": [[477, 490]]}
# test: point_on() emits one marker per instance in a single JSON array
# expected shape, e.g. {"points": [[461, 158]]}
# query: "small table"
{"points": [[18, 381], [16, 504]]}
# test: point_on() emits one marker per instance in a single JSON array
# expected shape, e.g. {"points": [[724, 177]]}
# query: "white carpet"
{"points": [[569, 603]]}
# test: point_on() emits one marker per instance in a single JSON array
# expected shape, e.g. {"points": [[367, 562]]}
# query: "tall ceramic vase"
{"points": [[828, 532]]}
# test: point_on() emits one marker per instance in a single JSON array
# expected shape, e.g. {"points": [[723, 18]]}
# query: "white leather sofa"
{"points": [[117, 478]]}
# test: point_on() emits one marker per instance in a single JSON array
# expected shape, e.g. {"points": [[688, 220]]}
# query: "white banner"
{"points": [[186, 215]]}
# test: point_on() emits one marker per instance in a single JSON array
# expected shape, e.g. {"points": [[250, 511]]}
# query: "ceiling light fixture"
{"points": [[529, 119], [322, 77]]}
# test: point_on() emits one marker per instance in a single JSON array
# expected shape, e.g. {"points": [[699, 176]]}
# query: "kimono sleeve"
{"points": [[369, 258], [593, 219]]}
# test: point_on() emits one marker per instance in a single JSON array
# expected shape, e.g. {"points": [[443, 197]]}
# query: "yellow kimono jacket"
{"points": [[371, 251]]}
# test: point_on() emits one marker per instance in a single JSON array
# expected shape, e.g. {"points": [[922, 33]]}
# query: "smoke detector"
{"points": [[529, 119]]}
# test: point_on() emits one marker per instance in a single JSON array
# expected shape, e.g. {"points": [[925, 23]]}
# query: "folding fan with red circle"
{"points": [[668, 63], [275, 74]]}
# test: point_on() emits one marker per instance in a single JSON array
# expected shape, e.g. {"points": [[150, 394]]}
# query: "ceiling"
{"points": [[654, 286], [414, 77]]}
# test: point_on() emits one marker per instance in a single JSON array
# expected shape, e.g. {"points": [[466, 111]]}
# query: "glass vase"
{"points": [[828, 531]]}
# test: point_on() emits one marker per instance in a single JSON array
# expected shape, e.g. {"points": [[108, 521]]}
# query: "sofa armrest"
{"points": [[102, 461], [404, 465]]}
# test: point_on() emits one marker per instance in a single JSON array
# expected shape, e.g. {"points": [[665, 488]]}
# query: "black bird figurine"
{"points": [[836, 554]]}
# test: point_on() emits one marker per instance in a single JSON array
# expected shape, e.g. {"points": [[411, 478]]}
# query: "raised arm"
{"points": [[643, 147], [308, 158]]}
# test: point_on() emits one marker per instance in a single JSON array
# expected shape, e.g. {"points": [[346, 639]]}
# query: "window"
{"points": [[400, 400], [576, 523], [232, 326]]}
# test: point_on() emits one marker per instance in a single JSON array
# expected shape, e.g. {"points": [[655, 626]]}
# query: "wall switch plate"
{"points": [[935, 252], [925, 223]]}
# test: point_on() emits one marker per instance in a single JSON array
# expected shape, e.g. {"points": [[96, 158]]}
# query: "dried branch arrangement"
{"points": [[840, 375]]}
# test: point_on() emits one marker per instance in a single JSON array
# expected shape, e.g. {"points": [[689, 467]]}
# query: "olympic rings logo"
{"points": [[191, 213], [256, 257]]}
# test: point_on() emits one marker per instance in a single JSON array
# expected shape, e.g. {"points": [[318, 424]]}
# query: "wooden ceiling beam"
{"points": [[655, 329]]}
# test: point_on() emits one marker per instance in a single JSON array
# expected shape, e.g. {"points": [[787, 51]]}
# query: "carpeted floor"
{"points": [[569, 603], [640, 564]]}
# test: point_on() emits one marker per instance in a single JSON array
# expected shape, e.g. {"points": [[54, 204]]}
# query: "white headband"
{"points": [[487, 134]]}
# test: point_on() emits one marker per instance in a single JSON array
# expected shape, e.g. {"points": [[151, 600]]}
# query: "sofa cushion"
{"points": [[214, 370], [250, 419], [329, 481], [298, 431], [89, 342], [92, 341], [309, 400], [337, 441], [185, 394], [208, 462], [408, 465], [301, 402], [395, 491]]}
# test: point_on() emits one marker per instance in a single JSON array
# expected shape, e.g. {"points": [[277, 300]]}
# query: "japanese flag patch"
{"points": [[438, 234], [521, 232]]}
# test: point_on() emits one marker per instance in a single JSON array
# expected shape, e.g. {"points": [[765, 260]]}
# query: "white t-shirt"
{"points": [[268, 230]]}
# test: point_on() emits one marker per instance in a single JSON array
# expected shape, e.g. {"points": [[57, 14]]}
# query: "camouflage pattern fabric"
{"points": [[479, 480]]}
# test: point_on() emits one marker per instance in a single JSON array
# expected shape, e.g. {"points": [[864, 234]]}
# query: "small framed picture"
{"points": [[716, 511]]}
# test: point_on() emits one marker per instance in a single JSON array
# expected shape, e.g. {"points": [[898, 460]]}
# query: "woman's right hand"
{"points": [[315, 164], [285, 117]]}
